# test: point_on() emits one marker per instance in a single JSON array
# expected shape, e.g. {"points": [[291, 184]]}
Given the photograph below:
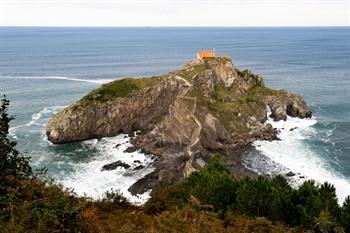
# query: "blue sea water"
{"points": [[44, 69]]}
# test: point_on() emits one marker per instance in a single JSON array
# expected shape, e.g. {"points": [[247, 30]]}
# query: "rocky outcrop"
{"points": [[182, 117], [115, 165], [289, 104], [97, 119]]}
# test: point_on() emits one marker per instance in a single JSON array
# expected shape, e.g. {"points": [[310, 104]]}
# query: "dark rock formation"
{"points": [[114, 165], [288, 104], [290, 174], [130, 149], [182, 117], [139, 167]]}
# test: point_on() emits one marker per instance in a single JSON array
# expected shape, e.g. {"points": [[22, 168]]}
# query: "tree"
{"points": [[213, 185], [345, 214], [329, 199], [308, 204], [324, 222], [256, 197], [283, 208], [12, 164]]}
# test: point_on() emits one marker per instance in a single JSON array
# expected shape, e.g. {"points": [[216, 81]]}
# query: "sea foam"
{"points": [[292, 153], [88, 178], [84, 176]]}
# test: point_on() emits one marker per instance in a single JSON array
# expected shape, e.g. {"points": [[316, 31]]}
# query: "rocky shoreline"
{"points": [[183, 117]]}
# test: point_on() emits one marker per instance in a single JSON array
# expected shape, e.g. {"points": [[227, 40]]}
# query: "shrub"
{"points": [[167, 198], [115, 197], [213, 185]]}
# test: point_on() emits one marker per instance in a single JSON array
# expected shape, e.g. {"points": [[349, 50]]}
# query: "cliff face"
{"points": [[92, 117], [183, 116]]}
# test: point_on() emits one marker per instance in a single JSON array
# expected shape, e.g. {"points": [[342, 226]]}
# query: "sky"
{"points": [[175, 13]]}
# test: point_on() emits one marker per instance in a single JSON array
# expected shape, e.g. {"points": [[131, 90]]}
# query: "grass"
{"points": [[235, 113], [119, 88], [157, 119], [189, 73], [247, 75]]}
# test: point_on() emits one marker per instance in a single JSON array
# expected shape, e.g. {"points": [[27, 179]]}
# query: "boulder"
{"points": [[115, 165], [130, 149], [290, 174], [139, 167]]}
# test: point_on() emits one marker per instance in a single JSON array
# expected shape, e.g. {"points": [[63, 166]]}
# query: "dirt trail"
{"points": [[188, 169]]}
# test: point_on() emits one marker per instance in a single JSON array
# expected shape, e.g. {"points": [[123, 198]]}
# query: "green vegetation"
{"points": [[247, 75], [119, 88], [157, 119], [210, 200], [234, 110], [231, 106], [189, 73], [311, 206], [11, 163]]}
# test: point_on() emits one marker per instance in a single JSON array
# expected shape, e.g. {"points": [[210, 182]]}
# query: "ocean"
{"points": [[44, 69]]}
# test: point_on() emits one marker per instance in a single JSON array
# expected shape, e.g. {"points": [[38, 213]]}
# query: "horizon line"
{"points": [[174, 26]]}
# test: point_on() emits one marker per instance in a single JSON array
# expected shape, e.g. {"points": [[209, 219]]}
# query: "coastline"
{"points": [[291, 157], [245, 164]]}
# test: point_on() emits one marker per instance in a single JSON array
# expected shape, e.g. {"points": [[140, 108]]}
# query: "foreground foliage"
{"points": [[210, 200], [311, 206]]}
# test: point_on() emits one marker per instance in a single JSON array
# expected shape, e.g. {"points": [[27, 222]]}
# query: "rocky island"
{"points": [[181, 117]]}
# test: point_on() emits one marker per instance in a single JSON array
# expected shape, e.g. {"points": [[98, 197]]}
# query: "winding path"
{"points": [[188, 169]]}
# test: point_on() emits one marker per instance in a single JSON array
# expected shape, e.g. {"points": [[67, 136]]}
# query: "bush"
{"points": [[167, 198], [115, 197]]}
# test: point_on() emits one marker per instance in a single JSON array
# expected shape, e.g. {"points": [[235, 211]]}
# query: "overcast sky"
{"points": [[175, 13]]}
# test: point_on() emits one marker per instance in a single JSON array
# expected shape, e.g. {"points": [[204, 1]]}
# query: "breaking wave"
{"points": [[293, 153], [78, 165], [88, 179], [97, 81]]}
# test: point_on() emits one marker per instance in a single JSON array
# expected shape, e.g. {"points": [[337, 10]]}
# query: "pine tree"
{"points": [[324, 222], [12, 164], [329, 199], [345, 214]]}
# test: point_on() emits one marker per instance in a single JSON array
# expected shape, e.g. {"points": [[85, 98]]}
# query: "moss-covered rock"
{"points": [[125, 87]]}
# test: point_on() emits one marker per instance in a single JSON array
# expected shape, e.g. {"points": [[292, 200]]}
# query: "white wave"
{"points": [[88, 179], [292, 153], [97, 81], [36, 124], [12, 131], [41, 117]]}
